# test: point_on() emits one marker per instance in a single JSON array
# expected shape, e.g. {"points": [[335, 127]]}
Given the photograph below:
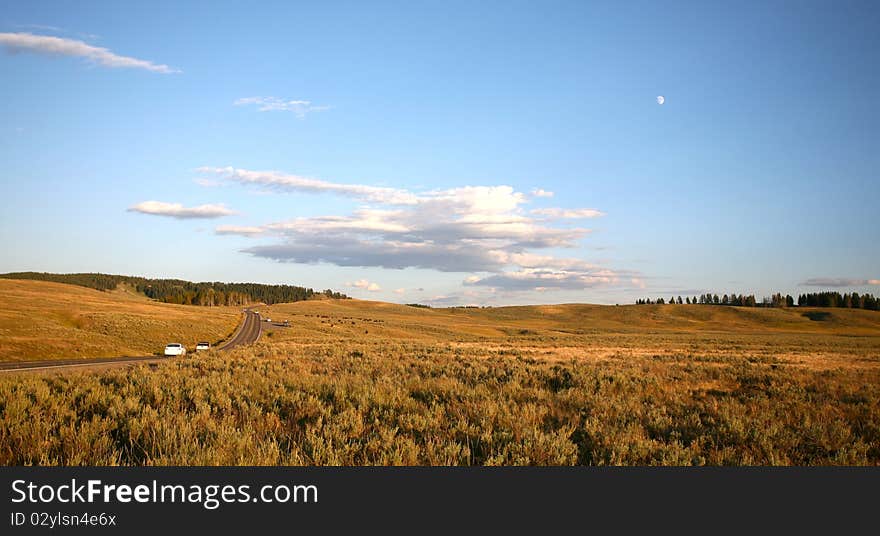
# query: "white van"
{"points": [[175, 348]]}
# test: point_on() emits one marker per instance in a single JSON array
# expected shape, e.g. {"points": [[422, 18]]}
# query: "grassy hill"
{"points": [[45, 320], [182, 292]]}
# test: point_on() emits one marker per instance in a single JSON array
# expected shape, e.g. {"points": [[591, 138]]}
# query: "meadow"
{"points": [[44, 320], [368, 383]]}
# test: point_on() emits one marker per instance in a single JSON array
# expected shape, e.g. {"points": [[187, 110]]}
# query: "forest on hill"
{"points": [[814, 299], [185, 292]]}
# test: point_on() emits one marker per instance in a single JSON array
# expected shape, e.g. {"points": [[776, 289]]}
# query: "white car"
{"points": [[203, 346], [175, 348]]}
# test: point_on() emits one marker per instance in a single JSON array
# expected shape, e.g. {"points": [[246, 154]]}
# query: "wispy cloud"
{"points": [[292, 183], [58, 30], [241, 230], [564, 213], [207, 183], [839, 282], [60, 46], [540, 192], [276, 104], [43, 27], [478, 229], [545, 279], [363, 284], [176, 210]]}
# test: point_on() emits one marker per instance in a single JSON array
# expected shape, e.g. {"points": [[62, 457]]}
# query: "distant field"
{"points": [[360, 383], [842, 338], [43, 320]]}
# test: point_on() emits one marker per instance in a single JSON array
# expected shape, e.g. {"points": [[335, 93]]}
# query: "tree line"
{"points": [[815, 299], [185, 292]]}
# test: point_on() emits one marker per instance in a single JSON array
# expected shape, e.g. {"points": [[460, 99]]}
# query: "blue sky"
{"points": [[407, 152]]}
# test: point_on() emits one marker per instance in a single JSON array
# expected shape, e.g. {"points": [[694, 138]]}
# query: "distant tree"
{"points": [[679, 300], [858, 302]]}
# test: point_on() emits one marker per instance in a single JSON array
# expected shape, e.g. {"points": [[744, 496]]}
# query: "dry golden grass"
{"points": [[848, 338], [420, 403], [43, 320], [359, 383]]}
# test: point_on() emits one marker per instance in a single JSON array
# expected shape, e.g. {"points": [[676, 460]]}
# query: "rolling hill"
{"points": [[45, 320]]}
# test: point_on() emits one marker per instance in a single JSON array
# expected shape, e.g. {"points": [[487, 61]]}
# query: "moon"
{"points": [[661, 99]]}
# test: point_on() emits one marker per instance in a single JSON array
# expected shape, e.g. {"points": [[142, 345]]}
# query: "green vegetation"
{"points": [[185, 292], [836, 299], [815, 299]]}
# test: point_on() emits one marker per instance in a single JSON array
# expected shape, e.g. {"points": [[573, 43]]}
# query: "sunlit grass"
{"points": [[426, 404], [361, 383], [42, 320]]}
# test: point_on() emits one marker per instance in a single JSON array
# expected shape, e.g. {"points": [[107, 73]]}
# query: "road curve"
{"points": [[248, 332]]}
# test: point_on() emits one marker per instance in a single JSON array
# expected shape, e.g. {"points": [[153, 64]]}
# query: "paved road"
{"points": [[248, 332]]}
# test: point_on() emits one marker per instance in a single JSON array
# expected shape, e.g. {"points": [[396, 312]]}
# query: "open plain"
{"points": [[357, 383]]}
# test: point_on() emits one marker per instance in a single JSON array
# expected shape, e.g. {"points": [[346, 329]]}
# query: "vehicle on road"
{"points": [[175, 348], [203, 346], [267, 320]]}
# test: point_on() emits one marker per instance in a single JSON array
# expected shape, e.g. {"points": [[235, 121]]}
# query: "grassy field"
{"points": [[844, 338], [356, 383], [43, 320]]}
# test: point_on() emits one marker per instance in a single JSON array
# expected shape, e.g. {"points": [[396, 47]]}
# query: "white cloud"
{"points": [[839, 282], [347, 251], [547, 278], [176, 210], [60, 46], [296, 183], [238, 230], [363, 221], [207, 183], [400, 291], [363, 284], [540, 192], [477, 229], [276, 104], [562, 213]]}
